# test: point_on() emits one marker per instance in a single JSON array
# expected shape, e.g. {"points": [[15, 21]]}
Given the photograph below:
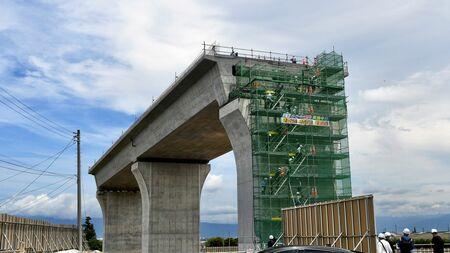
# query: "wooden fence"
{"points": [[346, 224], [27, 235]]}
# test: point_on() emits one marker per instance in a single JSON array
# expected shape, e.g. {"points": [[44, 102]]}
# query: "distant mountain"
{"points": [[206, 229], [98, 222], [426, 223], [215, 229], [421, 223]]}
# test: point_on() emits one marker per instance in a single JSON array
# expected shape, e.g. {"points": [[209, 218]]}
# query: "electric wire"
{"points": [[38, 176], [32, 173], [36, 112], [33, 120], [31, 169], [12, 159], [36, 201], [42, 187], [15, 104], [6, 178]]}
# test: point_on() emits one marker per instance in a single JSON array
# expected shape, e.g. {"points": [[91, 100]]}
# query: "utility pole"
{"points": [[80, 228]]}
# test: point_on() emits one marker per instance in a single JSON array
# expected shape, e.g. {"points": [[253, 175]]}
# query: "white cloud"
{"points": [[219, 213], [6, 18], [400, 149], [62, 206], [142, 41], [213, 183]]}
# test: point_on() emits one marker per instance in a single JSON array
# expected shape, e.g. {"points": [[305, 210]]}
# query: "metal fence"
{"points": [[27, 235], [345, 224]]}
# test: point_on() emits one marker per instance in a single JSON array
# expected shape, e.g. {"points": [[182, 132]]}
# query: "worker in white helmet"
{"points": [[383, 245], [271, 241], [438, 243], [390, 240], [406, 243]]}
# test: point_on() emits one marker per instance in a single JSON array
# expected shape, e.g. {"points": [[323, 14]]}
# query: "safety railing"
{"points": [[213, 49]]}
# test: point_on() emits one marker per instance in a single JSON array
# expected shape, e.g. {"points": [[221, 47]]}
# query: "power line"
{"points": [[6, 178], [36, 112], [31, 169], [14, 160], [36, 201], [38, 176], [33, 120], [31, 173], [42, 187]]}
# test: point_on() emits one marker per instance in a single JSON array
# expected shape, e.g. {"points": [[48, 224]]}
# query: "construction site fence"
{"points": [[348, 224], [29, 235]]}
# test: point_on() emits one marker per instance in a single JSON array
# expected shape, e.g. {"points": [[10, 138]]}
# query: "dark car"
{"points": [[304, 249]]}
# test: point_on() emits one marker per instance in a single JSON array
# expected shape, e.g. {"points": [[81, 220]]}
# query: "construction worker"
{"points": [[269, 98], [438, 243], [312, 149], [390, 240], [264, 185], [298, 199], [271, 241], [299, 149], [283, 171], [293, 59], [383, 245], [406, 243]]}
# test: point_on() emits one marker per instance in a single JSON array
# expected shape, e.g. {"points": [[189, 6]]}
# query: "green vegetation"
{"points": [[91, 235], [220, 242]]}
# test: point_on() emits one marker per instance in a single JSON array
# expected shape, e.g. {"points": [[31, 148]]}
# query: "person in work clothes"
{"points": [[406, 243], [271, 241], [438, 243], [383, 245], [390, 240]]}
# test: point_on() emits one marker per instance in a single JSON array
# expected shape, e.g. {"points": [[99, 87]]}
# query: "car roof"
{"points": [[318, 248]]}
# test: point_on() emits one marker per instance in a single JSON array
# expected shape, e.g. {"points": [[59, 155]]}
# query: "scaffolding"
{"points": [[299, 135]]}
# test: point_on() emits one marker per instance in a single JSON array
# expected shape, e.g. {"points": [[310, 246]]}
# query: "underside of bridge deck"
{"points": [[198, 140]]}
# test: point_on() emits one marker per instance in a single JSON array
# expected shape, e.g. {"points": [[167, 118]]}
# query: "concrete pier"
{"points": [[122, 221], [170, 194]]}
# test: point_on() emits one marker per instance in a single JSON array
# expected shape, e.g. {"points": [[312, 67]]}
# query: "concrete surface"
{"points": [[122, 219], [192, 122], [234, 117], [170, 194]]}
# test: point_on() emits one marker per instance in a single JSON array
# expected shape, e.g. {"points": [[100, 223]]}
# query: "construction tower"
{"points": [[298, 125]]}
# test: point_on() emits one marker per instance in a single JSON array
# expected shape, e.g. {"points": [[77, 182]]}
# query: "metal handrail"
{"points": [[250, 53]]}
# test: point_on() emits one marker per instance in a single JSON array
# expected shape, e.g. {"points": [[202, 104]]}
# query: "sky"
{"points": [[97, 65]]}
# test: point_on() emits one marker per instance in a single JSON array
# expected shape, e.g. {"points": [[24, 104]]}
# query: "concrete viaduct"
{"points": [[150, 181]]}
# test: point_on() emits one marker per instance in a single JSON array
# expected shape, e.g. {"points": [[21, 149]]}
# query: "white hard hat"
{"points": [[270, 237], [406, 231], [434, 231], [381, 236], [387, 234]]}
